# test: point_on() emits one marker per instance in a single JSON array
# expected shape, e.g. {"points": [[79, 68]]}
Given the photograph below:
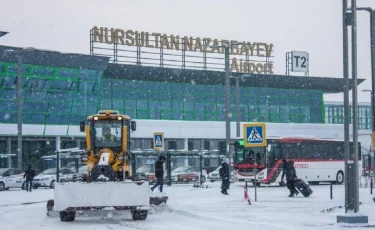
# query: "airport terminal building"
{"points": [[187, 104]]}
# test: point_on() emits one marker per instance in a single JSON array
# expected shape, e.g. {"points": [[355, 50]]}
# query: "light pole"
{"points": [[351, 162], [19, 54], [227, 93], [238, 111]]}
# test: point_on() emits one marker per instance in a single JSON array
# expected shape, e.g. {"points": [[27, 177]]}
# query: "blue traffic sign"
{"points": [[254, 135], [158, 141]]}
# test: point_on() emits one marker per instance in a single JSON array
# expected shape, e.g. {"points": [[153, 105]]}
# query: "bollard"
{"points": [[246, 195], [331, 188]]}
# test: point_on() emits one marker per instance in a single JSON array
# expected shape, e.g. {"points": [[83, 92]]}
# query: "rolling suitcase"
{"points": [[304, 188]]}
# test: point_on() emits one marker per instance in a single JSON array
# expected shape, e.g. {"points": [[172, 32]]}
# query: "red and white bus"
{"points": [[315, 160]]}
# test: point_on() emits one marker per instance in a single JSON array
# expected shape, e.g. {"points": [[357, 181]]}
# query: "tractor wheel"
{"points": [[50, 204], [66, 216], [139, 214], [52, 185]]}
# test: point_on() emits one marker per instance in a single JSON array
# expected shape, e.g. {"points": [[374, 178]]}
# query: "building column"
{"points": [[58, 147], [9, 147], [186, 147], [186, 143]]}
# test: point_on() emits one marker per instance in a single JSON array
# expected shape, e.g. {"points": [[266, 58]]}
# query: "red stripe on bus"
{"points": [[248, 166], [273, 171]]}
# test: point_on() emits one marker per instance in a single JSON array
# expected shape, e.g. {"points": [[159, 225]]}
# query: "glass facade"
{"points": [[176, 101], [51, 95], [334, 114], [63, 96]]}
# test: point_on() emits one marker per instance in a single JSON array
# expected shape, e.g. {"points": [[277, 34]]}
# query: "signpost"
{"points": [[300, 61], [158, 141], [254, 135]]}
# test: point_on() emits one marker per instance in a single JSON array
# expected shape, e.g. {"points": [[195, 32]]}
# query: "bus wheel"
{"points": [[340, 177], [256, 184]]}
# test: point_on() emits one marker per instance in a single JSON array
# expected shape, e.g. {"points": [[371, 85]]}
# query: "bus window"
{"points": [[291, 150], [273, 153]]}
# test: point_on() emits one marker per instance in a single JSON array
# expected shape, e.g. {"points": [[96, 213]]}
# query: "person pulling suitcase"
{"points": [[290, 172]]}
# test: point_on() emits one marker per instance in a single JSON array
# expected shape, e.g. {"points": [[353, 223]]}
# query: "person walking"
{"points": [[29, 175], [290, 172], [159, 173], [224, 174]]}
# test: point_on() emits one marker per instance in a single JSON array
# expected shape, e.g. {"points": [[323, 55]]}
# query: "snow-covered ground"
{"points": [[197, 209]]}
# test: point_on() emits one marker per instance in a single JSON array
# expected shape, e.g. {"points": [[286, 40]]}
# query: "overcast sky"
{"points": [[314, 26]]}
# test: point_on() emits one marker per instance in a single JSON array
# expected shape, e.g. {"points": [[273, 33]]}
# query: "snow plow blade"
{"points": [[158, 200], [99, 197]]}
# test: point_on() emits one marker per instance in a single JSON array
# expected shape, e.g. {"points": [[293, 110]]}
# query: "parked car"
{"points": [[214, 176], [11, 178], [148, 171], [48, 177], [187, 174], [72, 166]]}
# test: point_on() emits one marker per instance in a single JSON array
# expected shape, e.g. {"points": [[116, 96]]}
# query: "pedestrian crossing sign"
{"points": [[158, 141], [254, 135]]}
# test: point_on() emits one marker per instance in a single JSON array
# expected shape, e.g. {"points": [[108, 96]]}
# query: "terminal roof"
{"points": [[41, 57], [206, 77]]}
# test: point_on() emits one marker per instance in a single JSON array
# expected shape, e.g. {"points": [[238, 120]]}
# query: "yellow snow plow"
{"points": [[108, 185]]}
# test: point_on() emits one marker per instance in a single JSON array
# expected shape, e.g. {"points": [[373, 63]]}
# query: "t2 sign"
{"points": [[300, 61]]}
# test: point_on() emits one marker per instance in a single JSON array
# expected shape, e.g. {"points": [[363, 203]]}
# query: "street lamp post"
{"points": [[19, 110], [238, 111], [19, 55], [238, 107], [228, 115]]}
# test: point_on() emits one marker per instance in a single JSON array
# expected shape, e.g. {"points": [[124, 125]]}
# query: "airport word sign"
{"points": [[192, 44]]}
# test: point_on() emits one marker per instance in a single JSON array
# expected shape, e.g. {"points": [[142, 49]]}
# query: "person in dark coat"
{"points": [[225, 177], [290, 172], [159, 173], [29, 175]]}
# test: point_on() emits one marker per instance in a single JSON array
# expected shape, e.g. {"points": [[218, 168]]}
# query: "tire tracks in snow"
{"points": [[25, 203]]}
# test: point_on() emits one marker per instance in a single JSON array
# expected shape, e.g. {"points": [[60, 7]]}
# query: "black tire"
{"points": [[6, 189], [2, 186], [52, 185], [50, 204], [78, 178], [203, 179], [23, 187], [340, 177], [139, 214], [256, 184], [66, 216]]}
